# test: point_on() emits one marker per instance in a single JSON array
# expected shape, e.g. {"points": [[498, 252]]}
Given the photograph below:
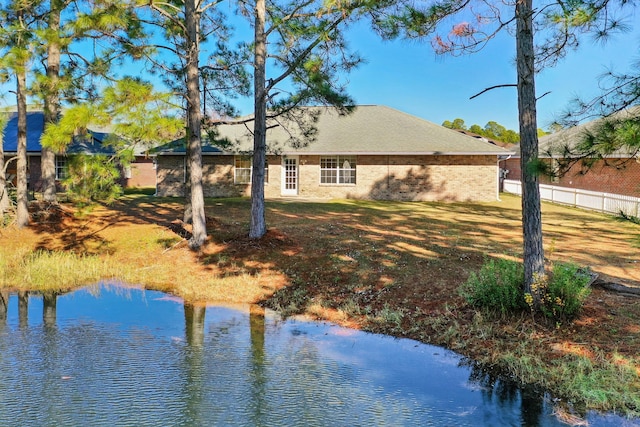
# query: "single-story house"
{"points": [[617, 173], [141, 173], [375, 152]]}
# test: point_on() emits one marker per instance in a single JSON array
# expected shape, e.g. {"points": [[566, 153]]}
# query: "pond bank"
{"points": [[380, 266]]}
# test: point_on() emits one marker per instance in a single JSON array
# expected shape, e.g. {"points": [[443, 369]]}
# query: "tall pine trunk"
{"points": [[51, 103], [194, 116], [22, 215], [258, 226], [4, 197], [187, 216], [531, 210]]}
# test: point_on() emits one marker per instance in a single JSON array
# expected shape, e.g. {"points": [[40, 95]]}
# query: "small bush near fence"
{"points": [[498, 288]]}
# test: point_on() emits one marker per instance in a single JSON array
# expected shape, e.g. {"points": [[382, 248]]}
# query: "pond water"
{"points": [[110, 356]]}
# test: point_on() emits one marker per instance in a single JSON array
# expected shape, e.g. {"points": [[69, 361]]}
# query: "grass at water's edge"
{"points": [[322, 266]]}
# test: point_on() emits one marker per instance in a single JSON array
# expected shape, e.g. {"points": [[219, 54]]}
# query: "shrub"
{"points": [[565, 292], [496, 287]]}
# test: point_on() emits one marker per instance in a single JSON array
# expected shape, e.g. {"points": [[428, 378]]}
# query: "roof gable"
{"points": [[369, 129]]}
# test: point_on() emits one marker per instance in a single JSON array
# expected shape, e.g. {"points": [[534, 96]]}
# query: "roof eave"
{"points": [[353, 153], [400, 153]]}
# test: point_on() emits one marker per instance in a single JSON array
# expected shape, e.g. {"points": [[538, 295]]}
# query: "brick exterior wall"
{"points": [[33, 171], [143, 173], [624, 179], [403, 178]]}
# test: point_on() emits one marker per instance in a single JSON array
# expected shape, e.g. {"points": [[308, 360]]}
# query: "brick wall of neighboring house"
{"points": [[170, 176], [142, 173], [410, 178], [33, 170], [622, 176], [623, 179], [35, 173], [512, 165], [10, 170]]}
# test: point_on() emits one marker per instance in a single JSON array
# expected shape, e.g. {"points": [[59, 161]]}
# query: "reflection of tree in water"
{"points": [[194, 317], [258, 375], [4, 305], [50, 300], [506, 392], [23, 308], [49, 307]]}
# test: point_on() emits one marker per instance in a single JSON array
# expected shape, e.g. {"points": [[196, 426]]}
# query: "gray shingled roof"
{"points": [[554, 143], [370, 129]]}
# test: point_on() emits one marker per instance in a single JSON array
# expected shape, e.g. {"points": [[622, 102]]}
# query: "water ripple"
{"points": [[133, 358]]}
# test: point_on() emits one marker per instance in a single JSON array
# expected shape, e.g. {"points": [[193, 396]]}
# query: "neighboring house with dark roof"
{"points": [[140, 174], [374, 153], [618, 173], [35, 127]]}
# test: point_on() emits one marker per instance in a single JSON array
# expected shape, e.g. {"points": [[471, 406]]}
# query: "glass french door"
{"points": [[290, 176]]}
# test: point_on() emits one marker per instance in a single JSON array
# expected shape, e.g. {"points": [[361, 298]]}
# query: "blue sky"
{"points": [[409, 76]]}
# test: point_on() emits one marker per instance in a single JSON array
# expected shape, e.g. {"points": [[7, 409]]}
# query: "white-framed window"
{"points": [[61, 167], [338, 170], [242, 170]]}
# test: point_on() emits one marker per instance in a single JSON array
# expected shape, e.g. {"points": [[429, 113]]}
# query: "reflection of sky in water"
{"points": [[125, 359]]}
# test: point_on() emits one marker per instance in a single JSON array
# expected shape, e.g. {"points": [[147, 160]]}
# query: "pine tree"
{"points": [[137, 117], [16, 43], [558, 25], [309, 50], [185, 27], [4, 197]]}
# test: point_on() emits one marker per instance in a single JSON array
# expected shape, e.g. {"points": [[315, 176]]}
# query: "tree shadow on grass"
{"points": [[337, 250], [62, 227]]}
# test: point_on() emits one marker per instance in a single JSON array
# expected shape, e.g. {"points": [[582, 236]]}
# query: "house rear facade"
{"points": [[373, 153]]}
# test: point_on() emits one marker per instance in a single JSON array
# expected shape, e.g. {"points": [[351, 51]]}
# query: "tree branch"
{"points": [[493, 87], [543, 95], [302, 56]]}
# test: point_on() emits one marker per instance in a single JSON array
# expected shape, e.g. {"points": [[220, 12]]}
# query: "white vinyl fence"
{"points": [[595, 200]]}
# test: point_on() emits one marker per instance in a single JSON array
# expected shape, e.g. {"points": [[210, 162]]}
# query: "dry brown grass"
{"points": [[383, 266]]}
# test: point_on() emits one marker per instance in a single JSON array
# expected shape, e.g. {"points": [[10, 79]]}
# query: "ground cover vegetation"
{"points": [[405, 269]]}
